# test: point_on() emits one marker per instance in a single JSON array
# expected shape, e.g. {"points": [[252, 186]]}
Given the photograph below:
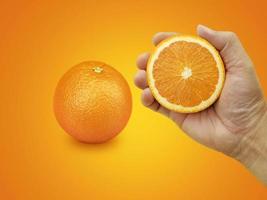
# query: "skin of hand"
{"points": [[236, 124]]}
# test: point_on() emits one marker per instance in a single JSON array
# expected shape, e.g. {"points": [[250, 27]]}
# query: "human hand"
{"points": [[232, 124]]}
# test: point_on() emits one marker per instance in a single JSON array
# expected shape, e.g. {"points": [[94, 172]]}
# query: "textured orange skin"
{"points": [[92, 106]]}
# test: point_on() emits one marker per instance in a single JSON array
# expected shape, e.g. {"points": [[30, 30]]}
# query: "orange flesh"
{"points": [[173, 79]]}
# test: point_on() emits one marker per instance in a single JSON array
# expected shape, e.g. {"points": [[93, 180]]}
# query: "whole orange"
{"points": [[92, 102]]}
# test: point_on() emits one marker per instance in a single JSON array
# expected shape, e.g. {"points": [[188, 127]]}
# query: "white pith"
{"points": [[186, 73]]}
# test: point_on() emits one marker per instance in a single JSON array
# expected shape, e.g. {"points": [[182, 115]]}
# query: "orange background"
{"points": [[151, 158]]}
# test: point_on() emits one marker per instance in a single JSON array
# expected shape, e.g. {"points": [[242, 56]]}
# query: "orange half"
{"points": [[185, 73]]}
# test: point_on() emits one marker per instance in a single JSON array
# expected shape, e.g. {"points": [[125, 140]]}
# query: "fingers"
{"points": [[219, 39], [147, 97], [140, 79], [143, 58], [142, 61], [158, 37], [149, 101], [226, 42]]}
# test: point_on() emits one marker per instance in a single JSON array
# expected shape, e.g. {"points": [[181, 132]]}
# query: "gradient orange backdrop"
{"points": [[151, 158]]}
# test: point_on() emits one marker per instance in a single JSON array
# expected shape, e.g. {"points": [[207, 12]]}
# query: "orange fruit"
{"points": [[92, 102], [185, 73]]}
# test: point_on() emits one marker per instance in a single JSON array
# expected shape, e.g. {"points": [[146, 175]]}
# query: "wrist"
{"points": [[252, 149]]}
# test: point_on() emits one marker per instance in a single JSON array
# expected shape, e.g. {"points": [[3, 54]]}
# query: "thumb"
{"points": [[227, 43]]}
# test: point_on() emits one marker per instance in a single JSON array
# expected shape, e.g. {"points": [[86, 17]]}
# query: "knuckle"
{"points": [[232, 35], [136, 81]]}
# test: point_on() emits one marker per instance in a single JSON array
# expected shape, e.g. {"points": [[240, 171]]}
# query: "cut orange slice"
{"points": [[185, 73]]}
